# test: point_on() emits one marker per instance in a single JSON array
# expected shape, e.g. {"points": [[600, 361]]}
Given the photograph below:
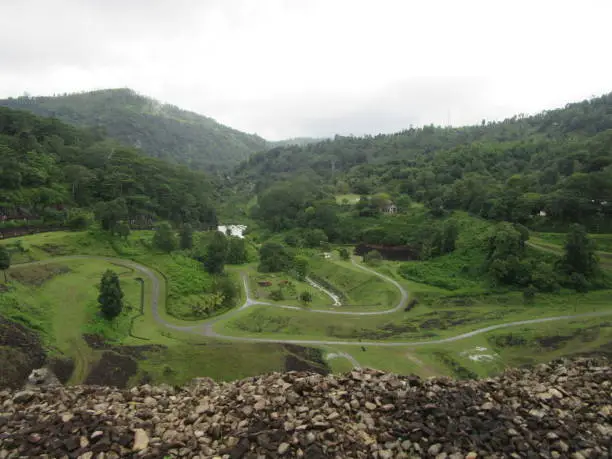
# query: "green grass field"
{"points": [[360, 290]]}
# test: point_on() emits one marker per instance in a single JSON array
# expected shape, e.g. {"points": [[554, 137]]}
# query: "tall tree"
{"points": [[5, 260], [236, 251], [164, 238], [110, 213], [110, 298], [580, 256], [274, 257], [186, 237], [216, 253]]}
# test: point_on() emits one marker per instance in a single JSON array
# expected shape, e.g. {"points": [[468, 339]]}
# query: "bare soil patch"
{"points": [[21, 351], [37, 275], [112, 370], [302, 358]]}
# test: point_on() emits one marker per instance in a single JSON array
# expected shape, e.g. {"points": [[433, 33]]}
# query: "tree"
{"points": [[305, 297], [110, 298], [79, 219], [5, 261], [274, 257], [373, 258], [123, 230], [110, 213], [529, 294], [236, 251], [300, 267], [164, 238], [216, 253], [580, 256], [505, 253], [344, 254], [224, 286], [186, 237]]}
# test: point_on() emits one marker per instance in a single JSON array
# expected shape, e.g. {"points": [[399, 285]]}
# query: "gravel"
{"points": [[563, 409]]}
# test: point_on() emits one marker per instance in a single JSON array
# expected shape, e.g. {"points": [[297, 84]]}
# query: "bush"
{"points": [[277, 295], [344, 254], [373, 258], [529, 294], [306, 296], [79, 220]]}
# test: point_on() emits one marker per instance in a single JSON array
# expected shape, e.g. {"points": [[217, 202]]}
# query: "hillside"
{"points": [[48, 169], [555, 164], [160, 130], [556, 410]]}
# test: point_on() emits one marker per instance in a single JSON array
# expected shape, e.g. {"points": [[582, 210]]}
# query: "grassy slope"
{"points": [[63, 322], [188, 356]]}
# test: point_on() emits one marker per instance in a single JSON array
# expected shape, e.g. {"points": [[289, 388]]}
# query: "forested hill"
{"points": [[161, 131], [49, 169], [556, 163]]}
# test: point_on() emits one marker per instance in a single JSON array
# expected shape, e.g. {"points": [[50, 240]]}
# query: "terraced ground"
{"points": [[443, 334]]}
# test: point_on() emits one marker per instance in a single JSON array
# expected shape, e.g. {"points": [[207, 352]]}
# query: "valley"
{"points": [[442, 334], [434, 251]]}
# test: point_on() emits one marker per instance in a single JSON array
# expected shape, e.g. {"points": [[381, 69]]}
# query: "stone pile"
{"points": [[559, 410]]}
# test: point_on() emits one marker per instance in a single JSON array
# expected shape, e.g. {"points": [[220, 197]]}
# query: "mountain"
{"points": [[556, 165], [48, 167], [160, 130]]}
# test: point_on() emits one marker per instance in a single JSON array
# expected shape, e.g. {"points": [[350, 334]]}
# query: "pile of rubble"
{"points": [[563, 409]]}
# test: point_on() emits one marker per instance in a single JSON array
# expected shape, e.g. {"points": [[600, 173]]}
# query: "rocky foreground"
{"points": [[559, 410]]}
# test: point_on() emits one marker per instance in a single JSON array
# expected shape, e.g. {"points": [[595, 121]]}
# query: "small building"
{"points": [[390, 209]]}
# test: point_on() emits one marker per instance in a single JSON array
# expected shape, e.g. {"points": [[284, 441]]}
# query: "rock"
{"points": [[525, 412], [23, 396], [141, 440]]}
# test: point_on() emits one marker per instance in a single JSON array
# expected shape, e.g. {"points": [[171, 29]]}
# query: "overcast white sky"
{"points": [[286, 68]]}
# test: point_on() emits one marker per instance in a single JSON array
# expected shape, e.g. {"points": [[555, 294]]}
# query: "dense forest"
{"points": [[547, 170], [160, 130], [49, 170]]}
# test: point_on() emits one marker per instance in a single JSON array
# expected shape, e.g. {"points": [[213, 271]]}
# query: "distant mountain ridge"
{"points": [[161, 130]]}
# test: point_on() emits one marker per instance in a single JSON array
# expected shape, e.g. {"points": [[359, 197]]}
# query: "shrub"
{"points": [[373, 258]]}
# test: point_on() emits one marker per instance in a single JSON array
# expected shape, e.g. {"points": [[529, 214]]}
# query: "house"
{"points": [[390, 208]]}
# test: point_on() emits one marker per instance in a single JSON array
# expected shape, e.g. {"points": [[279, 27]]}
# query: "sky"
{"points": [[315, 68]]}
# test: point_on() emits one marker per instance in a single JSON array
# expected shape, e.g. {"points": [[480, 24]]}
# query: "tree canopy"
{"points": [[47, 166], [160, 130]]}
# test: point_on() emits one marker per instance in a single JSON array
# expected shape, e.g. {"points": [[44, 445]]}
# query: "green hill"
{"points": [[48, 167], [160, 130], [545, 170]]}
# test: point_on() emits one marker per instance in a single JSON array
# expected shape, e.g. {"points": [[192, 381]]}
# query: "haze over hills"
{"points": [[160, 130]]}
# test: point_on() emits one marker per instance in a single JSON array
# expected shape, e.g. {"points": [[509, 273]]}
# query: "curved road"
{"points": [[206, 328]]}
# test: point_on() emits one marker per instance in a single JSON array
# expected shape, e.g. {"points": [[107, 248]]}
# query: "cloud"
{"points": [[286, 68]]}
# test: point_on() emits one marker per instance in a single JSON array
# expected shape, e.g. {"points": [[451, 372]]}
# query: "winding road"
{"points": [[206, 328]]}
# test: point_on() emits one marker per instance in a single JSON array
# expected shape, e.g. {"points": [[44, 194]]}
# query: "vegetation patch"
{"points": [[300, 358], [458, 370], [38, 274], [112, 370]]}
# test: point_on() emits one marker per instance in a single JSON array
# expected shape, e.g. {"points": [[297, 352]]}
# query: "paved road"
{"points": [[205, 328]]}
